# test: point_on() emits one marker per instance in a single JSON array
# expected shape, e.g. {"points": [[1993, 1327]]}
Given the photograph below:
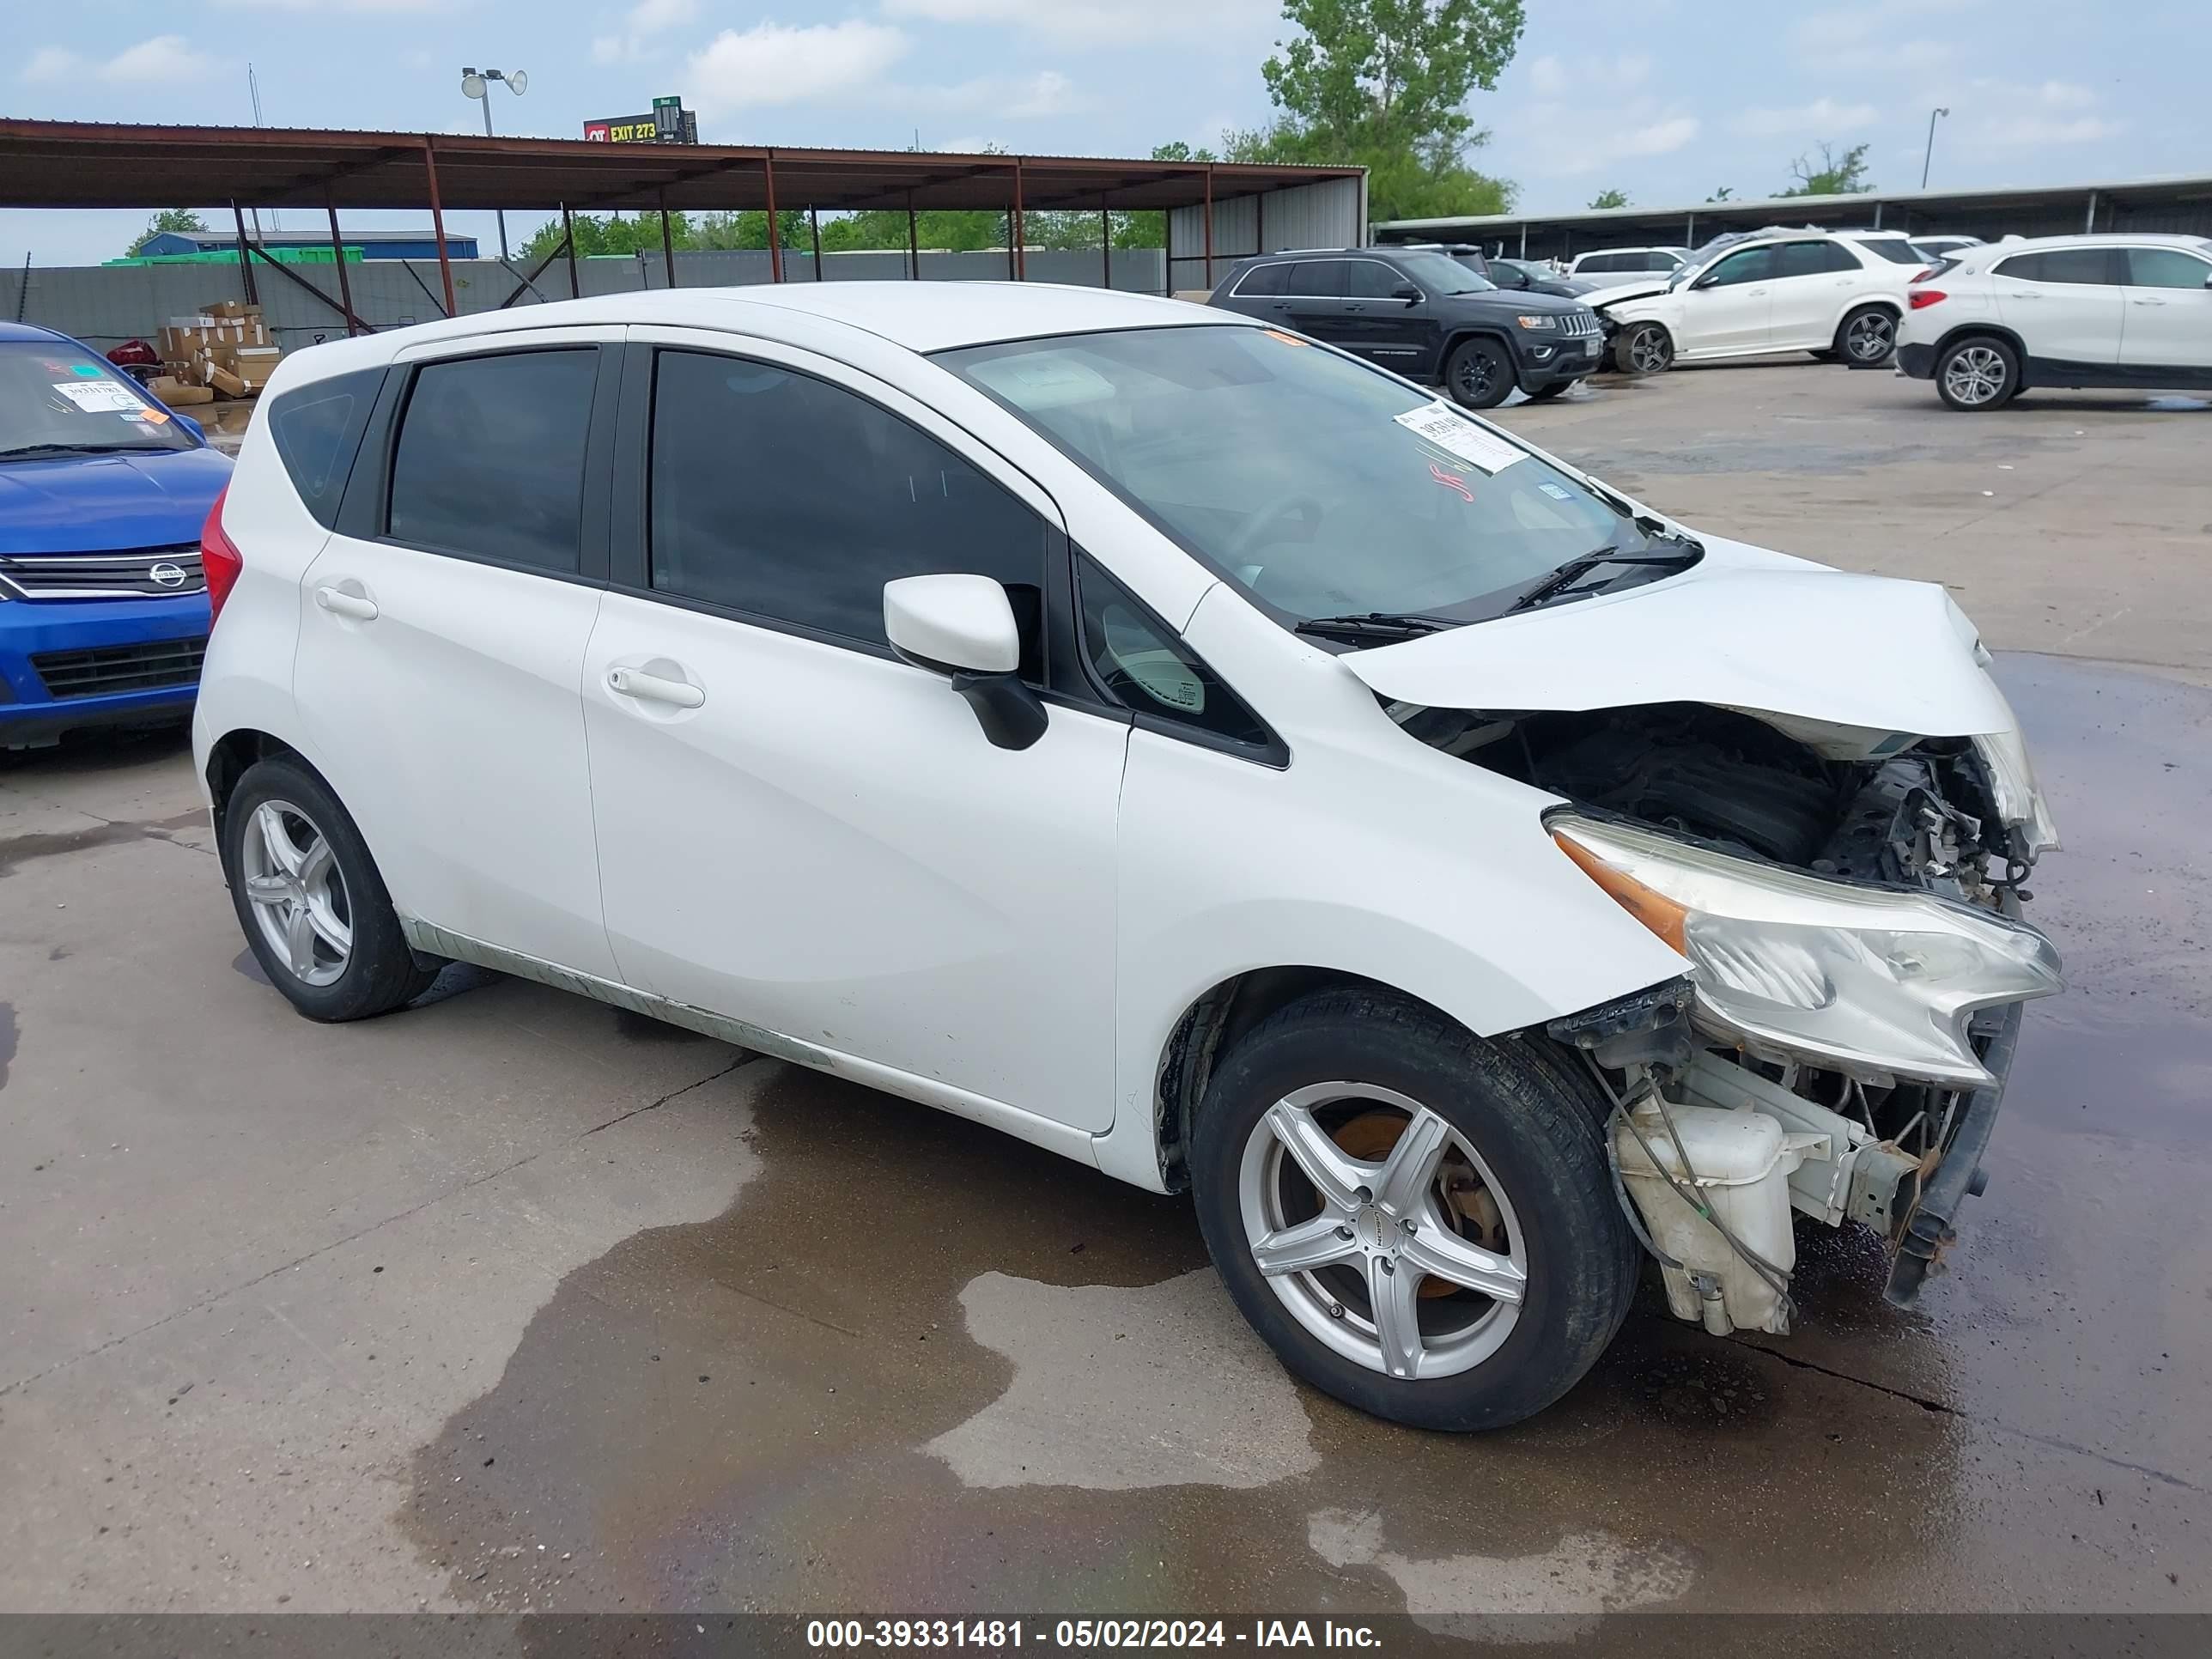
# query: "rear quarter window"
{"points": [[317, 430]]}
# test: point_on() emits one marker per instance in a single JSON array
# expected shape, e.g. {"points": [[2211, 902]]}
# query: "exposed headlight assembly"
{"points": [[1537, 322], [1874, 983], [2019, 803]]}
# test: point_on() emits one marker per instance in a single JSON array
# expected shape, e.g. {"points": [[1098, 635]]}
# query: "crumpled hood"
{"points": [[1744, 630], [1606, 298], [99, 503]]}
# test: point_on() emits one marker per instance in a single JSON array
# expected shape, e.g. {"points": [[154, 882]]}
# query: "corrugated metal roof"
{"points": [[92, 164]]}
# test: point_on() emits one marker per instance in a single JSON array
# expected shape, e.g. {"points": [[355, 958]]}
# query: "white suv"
{"points": [[1615, 267], [2113, 310], [1172, 742], [1837, 295]]}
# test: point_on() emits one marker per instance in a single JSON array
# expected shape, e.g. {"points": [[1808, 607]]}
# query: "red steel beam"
{"points": [[438, 225], [1209, 225], [245, 263], [338, 253], [775, 243]]}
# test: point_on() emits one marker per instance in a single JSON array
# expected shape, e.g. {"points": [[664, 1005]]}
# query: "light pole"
{"points": [[1928, 159], [473, 83]]}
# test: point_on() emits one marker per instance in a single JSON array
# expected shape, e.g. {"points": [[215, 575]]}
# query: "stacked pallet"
{"points": [[223, 351]]}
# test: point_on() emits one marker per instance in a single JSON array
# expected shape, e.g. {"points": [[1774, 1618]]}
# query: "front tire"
{"points": [[1979, 372], [1545, 393], [1479, 374], [1867, 336], [1419, 1222], [314, 910], [1644, 348]]}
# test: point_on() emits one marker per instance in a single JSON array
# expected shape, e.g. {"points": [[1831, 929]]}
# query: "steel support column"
{"points": [[338, 253], [1105, 244], [2089, 219], [245, 261], [814, 224], [1021, 254], [1209, 227], [667, 240], [438, 225], [1167, 253], [569, 234], [774, 241], [912, 243]]}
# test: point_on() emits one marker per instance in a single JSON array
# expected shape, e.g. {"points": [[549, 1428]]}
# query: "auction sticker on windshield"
{"points": [[1448, 430], [94, 397]]}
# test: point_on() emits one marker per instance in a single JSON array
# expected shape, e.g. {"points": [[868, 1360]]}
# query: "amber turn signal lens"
{"points": [[1653, 909]]}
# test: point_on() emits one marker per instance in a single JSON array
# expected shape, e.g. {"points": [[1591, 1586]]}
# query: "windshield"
{"points": [[57, 397], [1440, 273], [1317, 485]]}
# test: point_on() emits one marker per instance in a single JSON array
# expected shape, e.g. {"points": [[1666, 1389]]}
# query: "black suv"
{"points": [[1424, 315]]}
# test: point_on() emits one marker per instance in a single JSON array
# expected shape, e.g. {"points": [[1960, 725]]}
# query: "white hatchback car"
{"points": [[1837, 296], [2111, 310], [1178, 744]]}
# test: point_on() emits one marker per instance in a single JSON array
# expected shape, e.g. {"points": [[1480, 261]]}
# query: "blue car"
{"points": [[103, 492]]}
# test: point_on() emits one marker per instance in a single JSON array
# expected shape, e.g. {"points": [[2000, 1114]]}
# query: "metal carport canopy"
{"points": [[70, 164]]}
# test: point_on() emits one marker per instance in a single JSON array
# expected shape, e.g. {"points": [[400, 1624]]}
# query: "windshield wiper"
{"points": [[66, 449], [1556, 585], [1376, 625]]}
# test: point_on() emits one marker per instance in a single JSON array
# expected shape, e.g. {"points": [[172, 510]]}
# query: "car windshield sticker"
{"points": [[1451, 432], [98, 397], [1287, 339], [1451, 481], [1554, 491], [90, 371]]}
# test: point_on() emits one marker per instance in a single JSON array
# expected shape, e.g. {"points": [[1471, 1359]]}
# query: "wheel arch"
{"points": [[1464, 332], [1959, 332], [231, 754], [1210, 1026]]}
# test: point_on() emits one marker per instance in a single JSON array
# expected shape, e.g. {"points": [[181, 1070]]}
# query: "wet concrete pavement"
{"points": [[512, 1301]]}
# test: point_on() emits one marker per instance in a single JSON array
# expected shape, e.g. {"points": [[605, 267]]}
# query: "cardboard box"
{"points": [[177, 394], [227, 383], [231, 309]]}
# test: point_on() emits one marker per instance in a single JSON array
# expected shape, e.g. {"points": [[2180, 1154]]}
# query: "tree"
{"points": [[1721, 194], [1385, 84], [166, 220], [1610, 198], [1837, 175]]}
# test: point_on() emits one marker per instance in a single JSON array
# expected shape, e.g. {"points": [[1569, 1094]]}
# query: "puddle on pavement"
{"points": [[901, 1371]]}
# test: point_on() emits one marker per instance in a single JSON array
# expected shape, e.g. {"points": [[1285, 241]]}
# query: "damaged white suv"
{"points": [[1182, 746]]}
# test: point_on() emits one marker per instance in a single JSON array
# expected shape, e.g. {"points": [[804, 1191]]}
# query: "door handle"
{"points": [[1756, 294], [652, 687], [337, 601], [2147, 302]]}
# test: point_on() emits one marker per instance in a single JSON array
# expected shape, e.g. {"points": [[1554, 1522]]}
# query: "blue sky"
{"points": [[1663, 99]]}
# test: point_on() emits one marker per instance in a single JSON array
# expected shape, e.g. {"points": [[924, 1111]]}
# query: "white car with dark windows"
{"points": [[2116, 310], [1178, 743], [1750, 294], [1613, 267]]}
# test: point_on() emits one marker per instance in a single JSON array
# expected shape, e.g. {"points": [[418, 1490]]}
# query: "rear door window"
{"points": [[1813, 259], [1895, 249], [1370, 279], [489, 462], [317, 428], [1318, 279], [2078, 266]]}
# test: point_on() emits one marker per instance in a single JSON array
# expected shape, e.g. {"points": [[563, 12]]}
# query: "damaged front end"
{"points": [[1848, 900]]}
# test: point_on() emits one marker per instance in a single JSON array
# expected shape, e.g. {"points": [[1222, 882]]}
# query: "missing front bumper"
{"points": [[1929, 1233]]}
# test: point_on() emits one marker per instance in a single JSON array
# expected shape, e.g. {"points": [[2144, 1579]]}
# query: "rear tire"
{"points": [[314, 910], [1867, 336], [1644, 348], [1479, 374], [1977, 373], [1514, 1172]]}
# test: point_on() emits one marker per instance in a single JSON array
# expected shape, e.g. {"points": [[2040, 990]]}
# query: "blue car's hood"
{"points": [[99, 503]]}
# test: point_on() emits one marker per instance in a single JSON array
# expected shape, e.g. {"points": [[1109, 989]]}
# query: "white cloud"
{"points": [[609, 49], [775, 64], [333, 5], [1574, 144], [656, 16], [1018, 97], [1550, 78], [2031, 131], [966, 144], [1096, 21], [2060, 95], [50, 64], [1822, 118], [2004, 116], [164, 57]]}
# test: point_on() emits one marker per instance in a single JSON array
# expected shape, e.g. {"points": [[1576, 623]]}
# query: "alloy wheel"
{"points": [[1411, 1262], [298, 894], [1475, 373], [1648, 351], [1975, 375], [1870, 335]]}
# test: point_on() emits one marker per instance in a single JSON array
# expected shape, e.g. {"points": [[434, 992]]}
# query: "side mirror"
{"points": [[964, 627], [188, 423], [1708, 280], [1408, 293]]}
